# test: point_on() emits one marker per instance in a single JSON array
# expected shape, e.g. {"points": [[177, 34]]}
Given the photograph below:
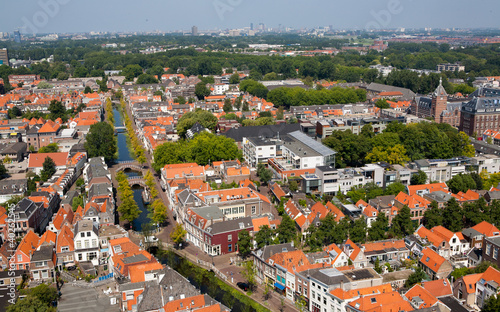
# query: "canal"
{"points": [[204, 280], [125, 155]]}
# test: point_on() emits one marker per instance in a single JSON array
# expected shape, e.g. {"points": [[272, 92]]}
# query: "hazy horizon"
{"points": [[70, 16]]}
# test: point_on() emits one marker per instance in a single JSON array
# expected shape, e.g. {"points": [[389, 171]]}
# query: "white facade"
{"points": [[488, 163], [257, 151], [87, 242], [220, 88]]}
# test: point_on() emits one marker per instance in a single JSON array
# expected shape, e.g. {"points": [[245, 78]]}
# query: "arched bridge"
{"points": [[136, 180], [132, 165]]}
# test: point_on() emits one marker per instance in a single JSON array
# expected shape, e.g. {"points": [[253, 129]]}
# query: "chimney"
{"points": [[342, 284]]}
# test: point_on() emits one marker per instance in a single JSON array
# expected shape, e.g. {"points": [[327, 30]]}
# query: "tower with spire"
{"points": [[439, 101]]}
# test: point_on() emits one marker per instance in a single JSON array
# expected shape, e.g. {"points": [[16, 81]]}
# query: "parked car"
{"points": [[243, 286]]}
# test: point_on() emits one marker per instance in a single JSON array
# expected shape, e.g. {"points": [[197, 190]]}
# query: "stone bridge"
{"points": [[132, 165], [136, 181]]}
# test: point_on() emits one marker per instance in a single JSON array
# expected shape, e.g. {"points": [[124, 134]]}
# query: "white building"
{"points": [[220, 88], [258, 150], [489, 163], [87, 242]]}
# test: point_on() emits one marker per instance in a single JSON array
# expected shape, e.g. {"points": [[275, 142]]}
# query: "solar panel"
{"points": [[314, 145]]}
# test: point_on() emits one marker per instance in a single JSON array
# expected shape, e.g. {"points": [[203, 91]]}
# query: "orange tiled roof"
{"points": [[428, 300], [438, 288], [258, 222], [29, 243], [36, 160], [412, 189], [375, 246], [385, 302], [486, 229], [431, 259], [470, 282]]}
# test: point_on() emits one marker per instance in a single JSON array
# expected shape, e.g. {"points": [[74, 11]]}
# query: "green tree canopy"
{"points": [[244, 244], [204, 118], [48, 170], [100, 141], [51, 148]]}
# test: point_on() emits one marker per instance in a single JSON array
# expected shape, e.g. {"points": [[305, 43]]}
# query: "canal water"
{"points": [[125, 155]]}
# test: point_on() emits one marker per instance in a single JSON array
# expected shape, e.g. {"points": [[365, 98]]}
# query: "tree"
{"points": [[382, 103], [433, 216], [244, 244], [100, 141], [129, 209], [234, 79], [87, 90], [286, 230], [415, 277], [160, 214], [249, 273], [146, 79], [38, 299], [178, 234], [394, 188], [57, 110], [357, 231], [227, 107], [418, 178], [378, 227], [51, 148], [453, 216], [392, 155], [3, 171], [461, 183], [14, 112], [402, 224], [264, 236], [245, 107], [201, 91], [492, 304], [77, 202], [48, 170], [293, 186], [265, 175], [204, 118], [377, 266]]}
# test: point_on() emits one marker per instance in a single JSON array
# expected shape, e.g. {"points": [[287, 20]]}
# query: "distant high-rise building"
{"points": [[251, 26], [4, 57], [17, 36], [194, 31]]}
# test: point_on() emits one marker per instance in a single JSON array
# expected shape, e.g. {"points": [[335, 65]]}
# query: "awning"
{"points": [[278, 285]]}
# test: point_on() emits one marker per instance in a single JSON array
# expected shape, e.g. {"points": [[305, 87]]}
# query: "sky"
{"points": [[69, 16]]}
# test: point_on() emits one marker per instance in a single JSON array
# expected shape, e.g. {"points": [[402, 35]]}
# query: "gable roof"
{"points": [[487, 229], [431, 259], [29, 243], [412, 189], [438, 288], [425, 298]]}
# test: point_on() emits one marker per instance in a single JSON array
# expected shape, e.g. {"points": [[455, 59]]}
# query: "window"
{"points": [[254, 209], [88, 234], [82, 234], [242, 209], [230, 247], [64, 249], [488, 249], [495, 253], [230, 238], [19, 258], [78, 244]]}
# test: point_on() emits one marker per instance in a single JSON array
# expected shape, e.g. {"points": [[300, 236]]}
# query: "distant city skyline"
{"points": [[69, 16]]}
